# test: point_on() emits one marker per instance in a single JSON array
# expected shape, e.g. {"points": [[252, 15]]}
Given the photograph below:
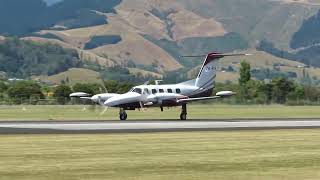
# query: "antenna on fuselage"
{"points": [[158, 82]]}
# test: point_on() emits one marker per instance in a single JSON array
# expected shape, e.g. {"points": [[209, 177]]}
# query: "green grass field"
{"points": [[241, 155], [209, 111]]}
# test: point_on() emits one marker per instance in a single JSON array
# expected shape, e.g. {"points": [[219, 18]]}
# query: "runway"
{"points": [[87, 127]]}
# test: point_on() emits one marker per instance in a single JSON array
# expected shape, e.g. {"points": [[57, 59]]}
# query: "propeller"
{"points": [[141, 106], [94, 106], [102, 104], [104, 111], [103, 84], [144, 97]]}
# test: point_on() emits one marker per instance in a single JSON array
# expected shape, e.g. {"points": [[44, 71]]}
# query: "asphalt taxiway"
{"points": [[87, 127]]}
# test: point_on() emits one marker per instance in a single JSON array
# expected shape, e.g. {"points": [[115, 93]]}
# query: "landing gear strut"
{"points": [[123, 115], [183, 115]]}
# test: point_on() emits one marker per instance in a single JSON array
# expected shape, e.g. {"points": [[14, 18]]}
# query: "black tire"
{"points": [[183, 116], [123, 116]]}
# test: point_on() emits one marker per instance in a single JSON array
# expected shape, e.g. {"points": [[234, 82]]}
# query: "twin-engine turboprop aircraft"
{"points": [[169, 95]]}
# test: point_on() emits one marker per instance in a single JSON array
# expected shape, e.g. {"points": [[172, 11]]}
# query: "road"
{"points": [[81, 127]]}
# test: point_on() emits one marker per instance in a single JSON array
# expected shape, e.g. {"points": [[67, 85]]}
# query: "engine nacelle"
{"points": [[102, 97]]}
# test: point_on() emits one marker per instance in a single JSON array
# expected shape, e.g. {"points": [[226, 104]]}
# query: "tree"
{"points": [[245, 77], [90, 88], [297, 94], [245, 74], [3, 87], [112, 86], [312, 93], [281, 89], [23, 90], [62, 93], [265, 93], [117, 87]]}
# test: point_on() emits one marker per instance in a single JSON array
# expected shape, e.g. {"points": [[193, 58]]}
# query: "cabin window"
{"points": [[178, 91], [154, 91], [170, 91], [161, 90], [137, 90]]}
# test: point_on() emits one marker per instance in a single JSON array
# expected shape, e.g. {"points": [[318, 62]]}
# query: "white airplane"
{"points": [[166, 95]]}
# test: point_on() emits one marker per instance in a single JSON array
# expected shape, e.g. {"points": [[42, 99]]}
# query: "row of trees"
{"points": [[279, 90], [33, 92]]}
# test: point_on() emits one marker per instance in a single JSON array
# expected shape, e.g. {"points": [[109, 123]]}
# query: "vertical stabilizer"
{"points": [[207, 74], [208, 71]]}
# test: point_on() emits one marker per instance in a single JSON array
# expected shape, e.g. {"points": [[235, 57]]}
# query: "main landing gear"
{"points": [[184, 113], [123, 115]]}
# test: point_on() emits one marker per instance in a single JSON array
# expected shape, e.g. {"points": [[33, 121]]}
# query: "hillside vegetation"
{"points": [[71, 76], [152, 35], [309, 56], [20, 58], [275, 20], [308, 34], [24, 17]]}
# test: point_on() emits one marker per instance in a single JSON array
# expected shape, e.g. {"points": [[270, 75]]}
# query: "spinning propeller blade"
{"points": [[104, 111]]}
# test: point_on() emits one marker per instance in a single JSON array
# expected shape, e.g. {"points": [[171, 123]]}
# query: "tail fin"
{"points": [[207, 74]]}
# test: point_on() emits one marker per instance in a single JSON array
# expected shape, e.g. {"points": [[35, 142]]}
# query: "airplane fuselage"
{"points": [[157, 95]]}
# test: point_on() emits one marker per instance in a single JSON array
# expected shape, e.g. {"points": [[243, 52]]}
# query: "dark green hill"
{"points": [[19, 58], [309, 56], [23, 17], [201, 45], [308, 34], [19, 17]]}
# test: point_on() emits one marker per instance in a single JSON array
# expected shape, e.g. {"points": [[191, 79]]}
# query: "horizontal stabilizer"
{"points": [[218, 55]]}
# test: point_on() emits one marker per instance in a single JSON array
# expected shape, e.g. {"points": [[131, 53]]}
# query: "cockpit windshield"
{"points": [[137, 90]]}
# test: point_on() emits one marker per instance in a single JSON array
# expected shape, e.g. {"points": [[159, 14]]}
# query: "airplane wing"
{"points": [[221, 94], [197, 99]]}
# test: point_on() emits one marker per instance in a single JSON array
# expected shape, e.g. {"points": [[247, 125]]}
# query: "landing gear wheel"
{"points": [[123, 115], [183, 116]]}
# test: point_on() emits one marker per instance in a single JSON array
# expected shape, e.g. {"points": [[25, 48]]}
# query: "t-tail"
{"points": [[208, 72]]}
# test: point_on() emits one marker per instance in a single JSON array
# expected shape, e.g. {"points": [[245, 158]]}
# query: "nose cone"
{"points": [[95, 98], [123, 99]]}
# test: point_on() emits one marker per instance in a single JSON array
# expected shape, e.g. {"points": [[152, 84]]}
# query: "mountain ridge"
{"points": [[152, 35]]}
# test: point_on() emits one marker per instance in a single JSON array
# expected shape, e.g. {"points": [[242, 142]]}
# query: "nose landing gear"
{"points": [[123, 115], [184, 113]]}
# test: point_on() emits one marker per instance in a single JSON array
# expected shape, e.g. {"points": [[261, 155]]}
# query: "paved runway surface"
{"points": [[45, 127]]}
